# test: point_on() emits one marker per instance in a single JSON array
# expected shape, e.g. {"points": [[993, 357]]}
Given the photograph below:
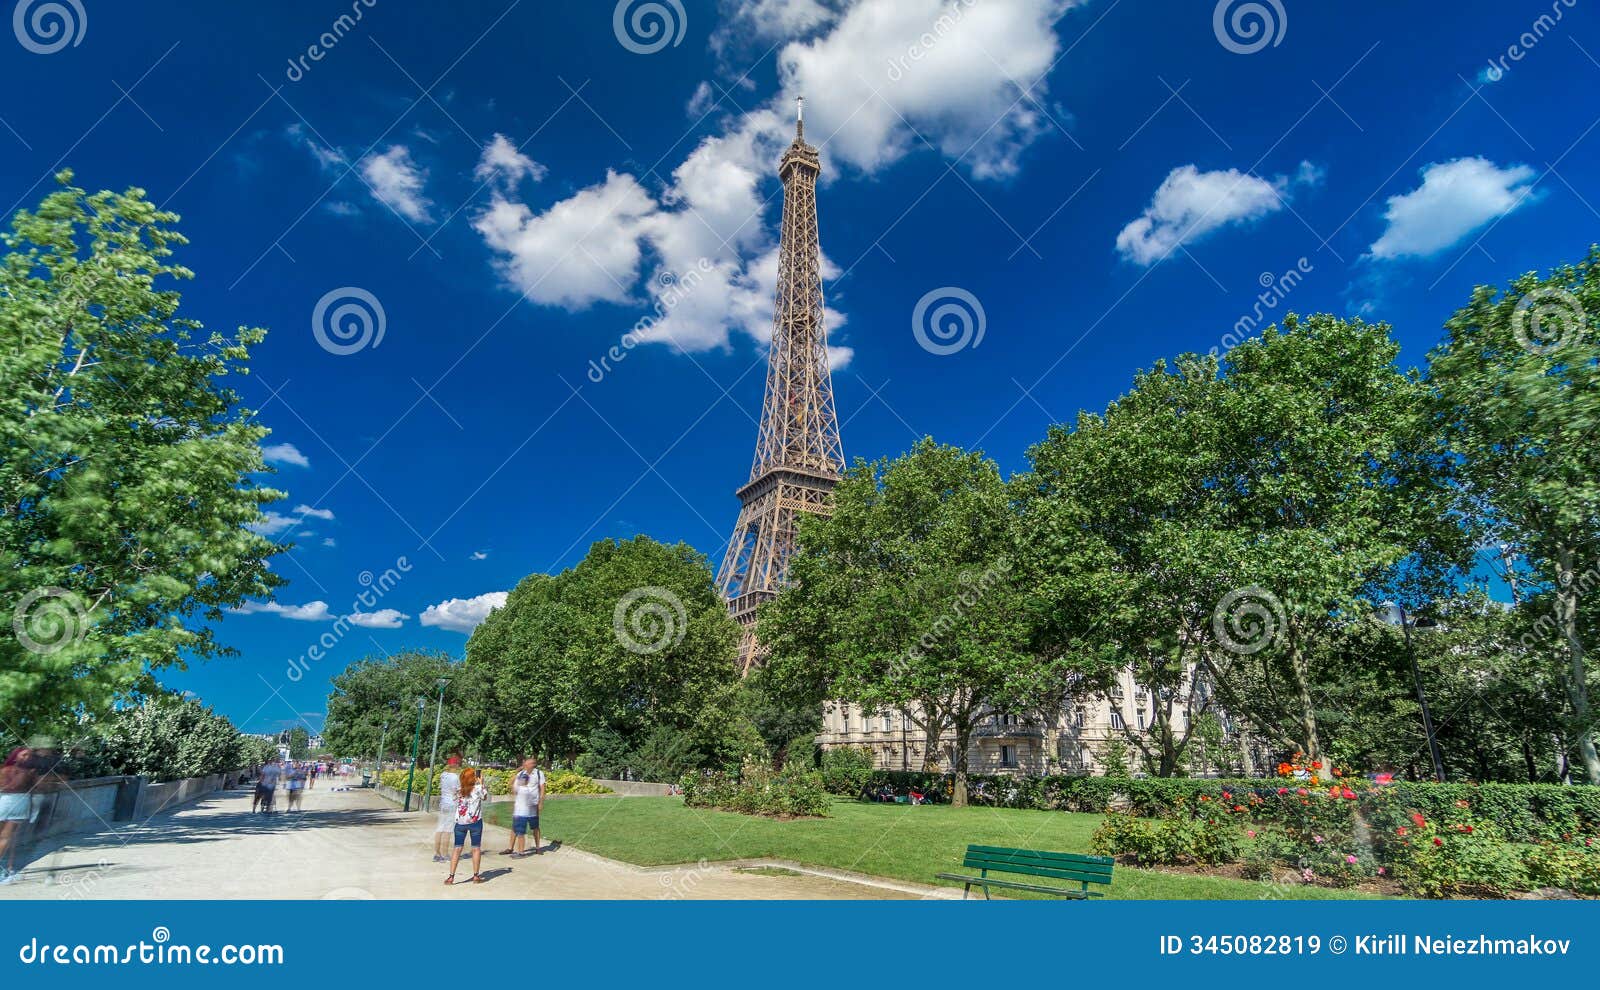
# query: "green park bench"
{"points": [[1071, 867]]}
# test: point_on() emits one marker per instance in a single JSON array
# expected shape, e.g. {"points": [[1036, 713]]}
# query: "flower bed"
{"points": [[1344, 834]]}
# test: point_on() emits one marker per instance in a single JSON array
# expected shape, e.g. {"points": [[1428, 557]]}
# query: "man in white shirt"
{"points": [[528, 788], [449, 795]]}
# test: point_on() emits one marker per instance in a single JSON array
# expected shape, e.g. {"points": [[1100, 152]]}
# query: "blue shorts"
{"points": [[521, 823], [475, 830]]}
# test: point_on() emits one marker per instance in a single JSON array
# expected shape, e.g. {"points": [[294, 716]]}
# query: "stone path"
{"points": [[354, 844]]}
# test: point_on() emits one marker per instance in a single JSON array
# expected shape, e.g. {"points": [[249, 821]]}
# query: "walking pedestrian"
{"points": [[469, 822], [528, 789], [17, 807], [449, 790]]}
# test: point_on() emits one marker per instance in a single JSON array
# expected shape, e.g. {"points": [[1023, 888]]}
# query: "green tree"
{"points": [[167, 738], [126, 467], [906, 598], [633, 638], [1517, 395], [299, 742], [376, 690]]}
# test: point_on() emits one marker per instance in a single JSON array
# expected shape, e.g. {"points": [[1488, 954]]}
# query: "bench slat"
{"points": [[1028, 855], [1049, 864]]}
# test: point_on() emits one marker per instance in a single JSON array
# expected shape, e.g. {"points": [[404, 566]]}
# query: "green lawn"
{"points": [[886, 840]]}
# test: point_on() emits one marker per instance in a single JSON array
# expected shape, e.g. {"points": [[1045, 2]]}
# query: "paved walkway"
{"points": [[354, 844]]}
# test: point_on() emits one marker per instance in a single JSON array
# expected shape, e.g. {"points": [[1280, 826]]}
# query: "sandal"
{"points": [[449, 879], [476, 878], [506, 852]]}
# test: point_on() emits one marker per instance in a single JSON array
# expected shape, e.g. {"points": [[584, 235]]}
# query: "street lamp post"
{"points": [[416, 745], [377, 775], [433, 761], [1422, 698]]}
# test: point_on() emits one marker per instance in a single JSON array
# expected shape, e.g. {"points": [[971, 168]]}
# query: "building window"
{"points": [[888, 723], [1008, 756], [1116, 719], [1141, 721], [1077, 717], [844, 719]]}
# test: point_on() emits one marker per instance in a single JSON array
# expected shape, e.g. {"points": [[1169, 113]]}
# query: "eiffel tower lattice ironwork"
{"points": [[798, 454]]}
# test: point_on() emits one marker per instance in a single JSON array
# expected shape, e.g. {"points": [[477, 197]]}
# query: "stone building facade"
{"points": [[1072, 742]]}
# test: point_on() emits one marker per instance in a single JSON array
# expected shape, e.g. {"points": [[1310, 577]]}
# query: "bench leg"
{"points": [[965, 891], [986, 892]]}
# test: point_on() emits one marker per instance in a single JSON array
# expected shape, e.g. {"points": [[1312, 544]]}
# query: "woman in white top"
{"points": [[469, 821], [449, 791]]}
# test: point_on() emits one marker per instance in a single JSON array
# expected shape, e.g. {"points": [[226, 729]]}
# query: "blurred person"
{"points": [[295, 785], [449, 790], [17, 806], [266, 786], [469, 822], [527, 787]]}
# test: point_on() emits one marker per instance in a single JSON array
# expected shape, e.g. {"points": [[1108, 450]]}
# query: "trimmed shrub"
{"points": [[792, 792], [499, 782], [846, 770], [1167, 841]]}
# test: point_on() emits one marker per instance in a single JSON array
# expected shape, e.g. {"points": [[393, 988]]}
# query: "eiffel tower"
{"points": [[798, 455]]}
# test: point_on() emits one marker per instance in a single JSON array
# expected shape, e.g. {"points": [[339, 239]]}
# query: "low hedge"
{"points": [[499, 782], [793, 792], [1525, 812]]}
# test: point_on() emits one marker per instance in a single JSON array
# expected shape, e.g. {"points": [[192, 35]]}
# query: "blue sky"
{"points": [[517, 184]]}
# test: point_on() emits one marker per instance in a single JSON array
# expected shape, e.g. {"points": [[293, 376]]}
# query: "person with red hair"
{"points": [[469, 821]]}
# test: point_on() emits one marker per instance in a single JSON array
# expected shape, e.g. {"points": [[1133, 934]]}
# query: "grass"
{"points": [[885, 840]]}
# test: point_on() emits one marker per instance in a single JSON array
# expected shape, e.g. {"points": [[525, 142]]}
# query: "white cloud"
{"points": [[306, 511], [765, 21], [479, 555], [463, 614], [273, 522], [1455, 198], [328, 158], [383, 618], [309, 612], [328, 541], [284, 453], [883, 75], [504, 166], [1189, 204], [582, 250], [397, 182]]}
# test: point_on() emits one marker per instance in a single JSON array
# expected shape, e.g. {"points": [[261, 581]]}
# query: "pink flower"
{"points": [[1382, 871], [1317, 839], [1351, 860], [1250, 832]]}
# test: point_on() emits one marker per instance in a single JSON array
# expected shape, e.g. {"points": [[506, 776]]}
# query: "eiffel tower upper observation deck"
{"points": [[798, 454]]}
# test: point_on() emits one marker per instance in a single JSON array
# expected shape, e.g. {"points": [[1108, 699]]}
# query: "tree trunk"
{"points": [[933, 732], [958, 797], [1308, 712]]}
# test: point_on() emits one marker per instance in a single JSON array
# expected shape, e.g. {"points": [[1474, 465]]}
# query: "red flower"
{"points": [[1420, 821], [1283, 790], [1400, 831], [1316, 764], [1438, 841], [1226, 796], [1204, 798], [1349, 795], [1238, 807], [1301, 791]]}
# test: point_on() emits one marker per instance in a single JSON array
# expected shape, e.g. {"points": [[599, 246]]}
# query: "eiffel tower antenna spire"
{"points": [[798, 457], [800, 118]]}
